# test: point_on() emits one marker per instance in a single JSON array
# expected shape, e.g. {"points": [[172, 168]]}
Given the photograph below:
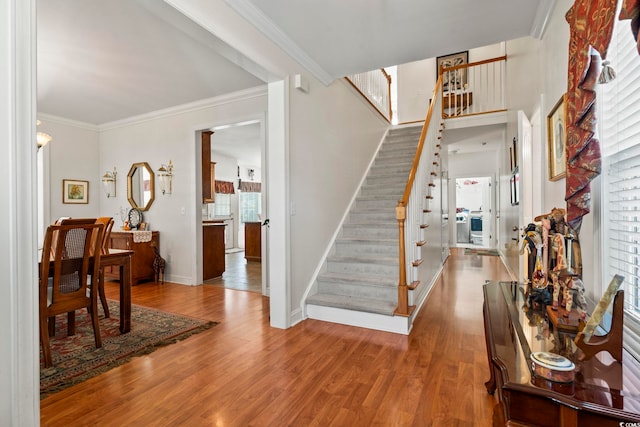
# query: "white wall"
{"points": [[537, 75], [333, 137], [416, 81], [157, 140], [73, 154]]}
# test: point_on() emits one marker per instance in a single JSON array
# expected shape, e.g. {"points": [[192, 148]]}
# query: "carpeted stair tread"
{"points": [[373, 280], [367, 241], [361, 271], [371, 259]]}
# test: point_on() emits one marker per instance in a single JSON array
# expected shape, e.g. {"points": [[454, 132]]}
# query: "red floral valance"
{"points": [[250, 187], [590, 27], [224, 187]]}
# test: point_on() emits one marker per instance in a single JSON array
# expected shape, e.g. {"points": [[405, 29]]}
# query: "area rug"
{"points": [[76, 359], [488, 252]]}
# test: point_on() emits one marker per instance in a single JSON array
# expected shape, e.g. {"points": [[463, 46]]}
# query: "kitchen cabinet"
{"points": [[213, 264], [253, 241], [208, 169]]}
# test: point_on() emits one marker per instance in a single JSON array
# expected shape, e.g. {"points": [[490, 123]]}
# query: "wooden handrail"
{"points": [[403, 308], [473, 64], [416, 158]]}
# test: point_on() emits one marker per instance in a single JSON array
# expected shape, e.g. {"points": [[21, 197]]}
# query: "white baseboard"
{"points": [[378, 322]]}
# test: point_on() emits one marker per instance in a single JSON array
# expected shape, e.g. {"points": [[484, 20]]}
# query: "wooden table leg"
{"points": [[491, 384], [125, 296]]}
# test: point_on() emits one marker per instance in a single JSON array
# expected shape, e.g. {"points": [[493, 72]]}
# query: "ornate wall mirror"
{"points": [[141, 186]]}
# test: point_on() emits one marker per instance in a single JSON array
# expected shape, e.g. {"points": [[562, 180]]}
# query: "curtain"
{"points": [[224, 187], [590, 27], [250, 187]]}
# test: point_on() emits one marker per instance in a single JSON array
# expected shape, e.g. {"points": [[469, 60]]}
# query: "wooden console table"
{"points": [[142, 259], [604, 392]]}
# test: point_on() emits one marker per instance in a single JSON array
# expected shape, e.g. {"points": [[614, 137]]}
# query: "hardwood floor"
{"points": [[242, 372]]}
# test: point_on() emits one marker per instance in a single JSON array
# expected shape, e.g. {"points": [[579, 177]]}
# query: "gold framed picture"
{"points": [[75, 191], [556, 140]]}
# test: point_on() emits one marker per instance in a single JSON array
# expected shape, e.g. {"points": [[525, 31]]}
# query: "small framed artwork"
{"points": [[556, 141], [75, 191], [454, 79]]}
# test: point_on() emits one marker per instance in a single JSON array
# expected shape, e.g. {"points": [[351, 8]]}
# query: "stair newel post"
{"points": [[403, 292]]}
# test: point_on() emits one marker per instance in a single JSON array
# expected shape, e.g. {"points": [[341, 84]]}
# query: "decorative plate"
{"points": [[552, 361], [135, 218]]}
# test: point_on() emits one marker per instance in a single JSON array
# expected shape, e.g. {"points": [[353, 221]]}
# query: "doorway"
{"points": [[474, 212], [237, 153]]}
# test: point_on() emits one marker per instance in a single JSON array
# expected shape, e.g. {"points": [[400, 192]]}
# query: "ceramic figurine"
{"points": [[556, 291]]}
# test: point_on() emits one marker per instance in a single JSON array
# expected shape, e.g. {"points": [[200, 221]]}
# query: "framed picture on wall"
{"points": [[454, 79], [75, 191], [556, 141]]}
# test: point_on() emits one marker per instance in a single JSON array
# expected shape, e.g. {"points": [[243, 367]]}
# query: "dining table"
{"points": [[120, 258]]}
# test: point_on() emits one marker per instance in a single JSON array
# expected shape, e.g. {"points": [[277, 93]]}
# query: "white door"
{"points": [[525, 214]]}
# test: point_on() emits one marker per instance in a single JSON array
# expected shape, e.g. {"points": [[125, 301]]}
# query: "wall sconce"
{"points": [[165, 173], [251, 174], [42, 138], [109, 183]]}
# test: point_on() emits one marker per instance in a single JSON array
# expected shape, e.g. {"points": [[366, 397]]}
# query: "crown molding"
{"points": [[540, 21], [266, 26], [67, 122], [202, 104]]}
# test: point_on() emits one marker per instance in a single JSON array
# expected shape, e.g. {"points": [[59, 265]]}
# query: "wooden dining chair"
{"points": [[107, 221], [70, 254]]}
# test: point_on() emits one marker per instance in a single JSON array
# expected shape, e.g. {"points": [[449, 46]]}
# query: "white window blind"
{"points": [[222, 206], [619, 129], [249, 207]]}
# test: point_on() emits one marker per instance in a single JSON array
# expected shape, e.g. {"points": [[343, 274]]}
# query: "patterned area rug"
{"points": [[489, 252], [76, 359]]}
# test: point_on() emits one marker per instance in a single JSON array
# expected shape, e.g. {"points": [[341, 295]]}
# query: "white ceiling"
{"points": [[238, 140], [100, 61], [335, 38], [106, 60]]}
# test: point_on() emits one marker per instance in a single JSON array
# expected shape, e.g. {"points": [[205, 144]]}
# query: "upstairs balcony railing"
{"points": [[375, 87], [475, 88]]}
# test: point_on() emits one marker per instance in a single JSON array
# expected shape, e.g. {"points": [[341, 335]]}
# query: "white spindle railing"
{"points": [[476, 88], [413, 208], [375, 86]]}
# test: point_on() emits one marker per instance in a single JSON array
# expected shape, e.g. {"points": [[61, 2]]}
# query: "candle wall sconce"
{"points": [[165, 173], [109, 183]]}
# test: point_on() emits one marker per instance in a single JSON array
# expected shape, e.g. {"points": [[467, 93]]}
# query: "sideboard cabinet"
{"points": [[604, 392], [143, 255]]}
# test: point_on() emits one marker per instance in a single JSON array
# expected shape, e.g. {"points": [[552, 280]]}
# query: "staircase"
{"points": [[358, 283]]}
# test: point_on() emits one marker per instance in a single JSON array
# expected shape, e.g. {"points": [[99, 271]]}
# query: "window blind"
{"points": [[619, 129]]}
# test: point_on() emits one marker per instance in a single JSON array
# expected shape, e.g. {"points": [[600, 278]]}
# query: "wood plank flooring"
{"points": [[242, 372]]}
